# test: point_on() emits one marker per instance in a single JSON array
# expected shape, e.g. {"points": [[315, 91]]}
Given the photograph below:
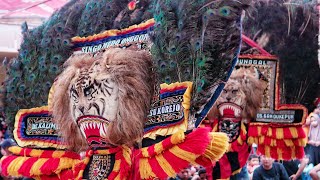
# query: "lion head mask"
{"points": [[241, 96]]}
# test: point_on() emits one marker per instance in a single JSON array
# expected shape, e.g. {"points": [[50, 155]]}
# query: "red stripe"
{"points": [[151, 151], [26, 166], [225, 168], [176, 163], [196, 142], [46, 154], [156, 168], [5, 163], [166, 144], [50, 166]]}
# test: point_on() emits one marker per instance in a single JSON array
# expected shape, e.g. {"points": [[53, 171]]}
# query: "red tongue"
{"points": [[228, 113]]}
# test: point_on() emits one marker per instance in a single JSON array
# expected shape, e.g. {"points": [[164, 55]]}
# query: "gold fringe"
{"points": [[294, 132], [66, 163], [217, 147], [127, 154], [279, 133], [267, 151], [178, 137], [145, 169]]}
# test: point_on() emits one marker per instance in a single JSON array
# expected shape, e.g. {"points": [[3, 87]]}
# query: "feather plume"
{"points": [[197, 41]]}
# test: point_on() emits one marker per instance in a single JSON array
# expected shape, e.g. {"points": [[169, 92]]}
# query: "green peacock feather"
{"points": [[196, 41]]}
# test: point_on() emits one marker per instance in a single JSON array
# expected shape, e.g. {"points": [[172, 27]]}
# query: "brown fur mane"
{"points": [[132, 72], [251, 86]]}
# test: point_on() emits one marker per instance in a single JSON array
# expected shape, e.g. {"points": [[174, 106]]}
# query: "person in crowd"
{"points": [[5, 144], [270, 170], [315, 172], [313, 147], [253, 163], [200, 175], [184, 174], [303, 169]]}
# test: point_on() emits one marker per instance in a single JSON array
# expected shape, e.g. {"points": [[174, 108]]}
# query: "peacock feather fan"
{"points": [[197, 41]]}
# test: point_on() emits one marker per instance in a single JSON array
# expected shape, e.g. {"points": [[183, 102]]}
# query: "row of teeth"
{"points": [[235, 110], [92, 125]]}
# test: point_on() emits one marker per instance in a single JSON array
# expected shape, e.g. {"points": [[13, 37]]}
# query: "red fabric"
{"points": [[5, 163], [156, 168], [225, 168], [50, 166], [26, 166], [47, 154], [176, 163]]}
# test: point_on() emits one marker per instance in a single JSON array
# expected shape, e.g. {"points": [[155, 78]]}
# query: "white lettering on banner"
{"points": [[112, 43], [252, 61]]}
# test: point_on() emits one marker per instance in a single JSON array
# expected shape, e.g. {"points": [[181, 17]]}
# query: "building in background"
{"points": [[15, 12]]}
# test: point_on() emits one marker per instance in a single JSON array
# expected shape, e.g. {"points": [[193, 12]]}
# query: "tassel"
{"points": [[217, 147]]}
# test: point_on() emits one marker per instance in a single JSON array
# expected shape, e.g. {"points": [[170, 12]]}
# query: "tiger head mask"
{"points": [[94, 96]]}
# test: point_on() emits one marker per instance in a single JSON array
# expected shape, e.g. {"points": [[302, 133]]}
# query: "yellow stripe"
{"points": [[111, 32], [36, 153], [145, 152], [280, 153], [66, 163], [259, 129], [105, 151], [288, 142], [35, 169], [269, 133], [261, 140], [267, 151], [165, 165], [177, 137], [15, 165], [15, 150], [145, 169], [158, 148], [80, 174], [294, 132], [57, 154], [182, 154], [127, 154], [250, 140], [116, 166], [279, 133]]}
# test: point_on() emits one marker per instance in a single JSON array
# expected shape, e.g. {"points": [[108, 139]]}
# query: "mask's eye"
{"points": [[224, 91], [234, 91], [88, 90], [74, 94]]}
